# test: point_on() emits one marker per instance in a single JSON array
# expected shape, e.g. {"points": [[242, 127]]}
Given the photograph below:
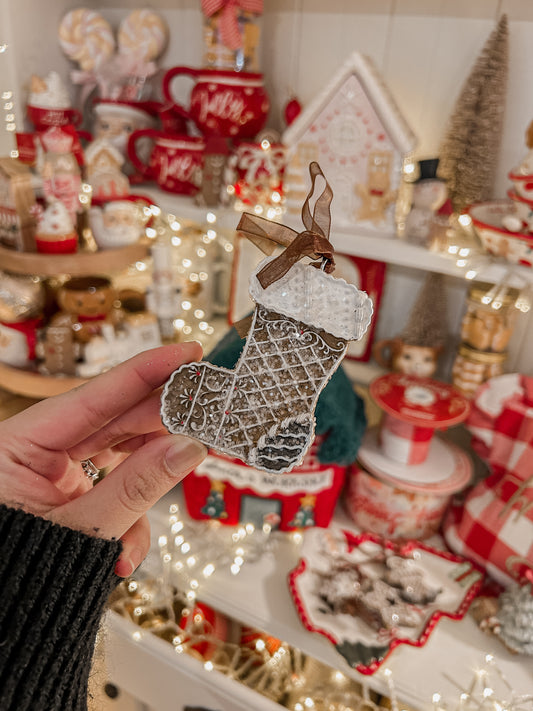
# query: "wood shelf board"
{"points": [[11, 404], [77, 264], [35, 385]]}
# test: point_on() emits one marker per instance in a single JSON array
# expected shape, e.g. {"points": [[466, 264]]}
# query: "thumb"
{"points": [[111, 507]]}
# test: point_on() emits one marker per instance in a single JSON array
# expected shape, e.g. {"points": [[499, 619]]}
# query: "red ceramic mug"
{"points": [[172, 121], [42, 118], [223, 103], [175, 162]]}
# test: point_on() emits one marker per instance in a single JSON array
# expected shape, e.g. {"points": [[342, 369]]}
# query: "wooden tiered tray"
{"points": [[34, 385], [30, 383], [77, 264]]}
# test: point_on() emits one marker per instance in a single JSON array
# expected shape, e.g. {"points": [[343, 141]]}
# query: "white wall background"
{"points": [[424, 49]]}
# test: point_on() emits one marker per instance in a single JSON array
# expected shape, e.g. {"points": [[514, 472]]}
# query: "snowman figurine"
{"points": [[429, 195]]}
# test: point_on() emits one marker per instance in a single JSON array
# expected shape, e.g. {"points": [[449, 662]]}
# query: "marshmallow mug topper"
{"points": [[262, 411]]}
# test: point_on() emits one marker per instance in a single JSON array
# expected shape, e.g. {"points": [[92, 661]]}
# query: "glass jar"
{"points": [[218, 54], [471, 368], [484, 327]]}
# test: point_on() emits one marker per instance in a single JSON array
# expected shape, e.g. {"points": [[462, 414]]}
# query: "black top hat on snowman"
{"points": [[427, 170]]}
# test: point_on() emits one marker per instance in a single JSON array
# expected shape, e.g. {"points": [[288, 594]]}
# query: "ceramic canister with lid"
{"points": [[404, 501], [471, 368], [488, 322]]}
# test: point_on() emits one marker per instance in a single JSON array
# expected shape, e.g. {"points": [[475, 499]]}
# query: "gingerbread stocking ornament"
{"points": [[262, 411]]}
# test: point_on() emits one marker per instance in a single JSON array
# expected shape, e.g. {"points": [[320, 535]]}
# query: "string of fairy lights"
{"points": [[192, 256], [464, 250], [192, 320], [8, 105], [193, 552], [191, 248]]}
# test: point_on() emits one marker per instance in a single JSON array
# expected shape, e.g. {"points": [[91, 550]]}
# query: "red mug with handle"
{"points": [[45, 117], [222, 103], [175, 161]]}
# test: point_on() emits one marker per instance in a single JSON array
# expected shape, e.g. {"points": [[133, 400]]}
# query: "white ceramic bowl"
{"points": [[515, 247], [523, 184], [523, 206]]}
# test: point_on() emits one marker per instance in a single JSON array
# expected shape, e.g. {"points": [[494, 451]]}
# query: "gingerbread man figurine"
{"points": [[376, 195], [86, 305]]}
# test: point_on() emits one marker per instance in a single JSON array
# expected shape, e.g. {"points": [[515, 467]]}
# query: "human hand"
{"points": [[113, 420]]}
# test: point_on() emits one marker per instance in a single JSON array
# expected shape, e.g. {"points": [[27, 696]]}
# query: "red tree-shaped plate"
{"points": [[323, 589]]}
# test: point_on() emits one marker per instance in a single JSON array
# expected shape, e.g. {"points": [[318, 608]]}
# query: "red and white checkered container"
{"points": [[398, 501], [414, 408], [495, 526], [403, 441]]}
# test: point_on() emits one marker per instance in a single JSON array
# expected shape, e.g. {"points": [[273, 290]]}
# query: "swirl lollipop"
{"points": [[142, 32], [86, 38]]}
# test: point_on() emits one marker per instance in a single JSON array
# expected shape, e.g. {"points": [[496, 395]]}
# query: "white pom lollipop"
{"points": [[143, 32], [86, 38]]}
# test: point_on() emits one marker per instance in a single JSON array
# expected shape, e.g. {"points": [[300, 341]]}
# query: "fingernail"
{"points": [[184, 454], [127, 566], [122, 568]]}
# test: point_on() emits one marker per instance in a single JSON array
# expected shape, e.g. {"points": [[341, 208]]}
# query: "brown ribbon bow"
{"points": [[313, 242]]}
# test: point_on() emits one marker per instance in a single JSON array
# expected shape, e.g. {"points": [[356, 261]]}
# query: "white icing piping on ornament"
{"points": [[338, 307]]}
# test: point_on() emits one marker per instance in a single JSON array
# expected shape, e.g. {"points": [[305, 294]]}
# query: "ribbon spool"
{"points": [[407, 475], [414, 409], [405, 442]]}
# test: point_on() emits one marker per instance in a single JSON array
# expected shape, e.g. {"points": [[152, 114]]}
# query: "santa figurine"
{"points": [[117, 223]]}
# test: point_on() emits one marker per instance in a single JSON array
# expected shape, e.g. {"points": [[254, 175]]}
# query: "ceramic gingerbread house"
{"points": [[356, 131], [104, 170]]}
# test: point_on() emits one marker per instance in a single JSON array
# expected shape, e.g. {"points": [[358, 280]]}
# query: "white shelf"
{"points": [[259, 597], [149, 669], [186, 208], [381, 247]]}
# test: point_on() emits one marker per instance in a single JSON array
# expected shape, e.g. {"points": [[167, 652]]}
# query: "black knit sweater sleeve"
{"points": [[54, 586]]}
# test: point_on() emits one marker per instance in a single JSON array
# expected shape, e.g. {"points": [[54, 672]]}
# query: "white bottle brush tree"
{"points": [[470, 150]]}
